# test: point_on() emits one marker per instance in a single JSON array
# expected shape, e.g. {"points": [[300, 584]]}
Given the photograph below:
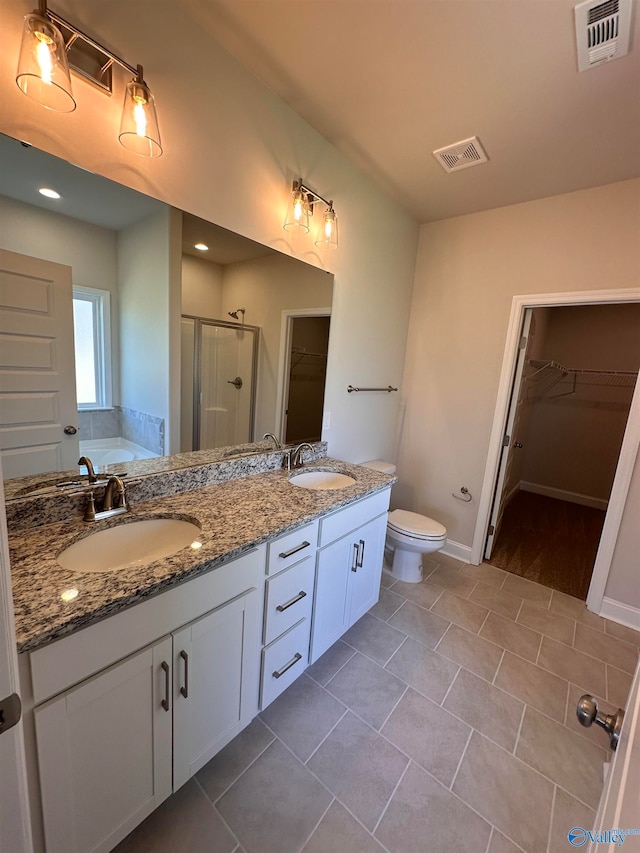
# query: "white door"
{"points": [[509, 443], [15, 830], [37, 366]]}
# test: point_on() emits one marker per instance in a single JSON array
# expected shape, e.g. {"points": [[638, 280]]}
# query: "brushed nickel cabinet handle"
{"points": [[294, 660], [282, 607], [167, 685], [295, 550], [184, 690], [354, 562], [360, 561]]}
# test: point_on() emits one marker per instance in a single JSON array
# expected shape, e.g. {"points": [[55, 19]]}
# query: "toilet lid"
{"points": [[416, 525]]}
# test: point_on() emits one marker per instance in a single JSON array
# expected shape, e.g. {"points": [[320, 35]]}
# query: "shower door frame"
{"points": [[198, 322]]}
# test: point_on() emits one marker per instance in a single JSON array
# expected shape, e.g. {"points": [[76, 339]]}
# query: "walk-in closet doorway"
{"points": [[563, 439]]}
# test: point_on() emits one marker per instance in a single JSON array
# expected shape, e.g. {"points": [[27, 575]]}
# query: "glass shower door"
{"points": [[225, 360]]}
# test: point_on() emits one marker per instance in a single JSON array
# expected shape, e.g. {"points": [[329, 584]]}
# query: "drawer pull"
{"points": [[167, 685], [294, 660], [282, 607], [295, 550], [184, 690]]}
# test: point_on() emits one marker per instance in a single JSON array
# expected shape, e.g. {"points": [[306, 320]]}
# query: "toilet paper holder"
{"points": [[587, 713]]}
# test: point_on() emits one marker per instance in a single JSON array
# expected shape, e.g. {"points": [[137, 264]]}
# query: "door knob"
{"points": [[587, 713], [237, 382], [70, 430]]}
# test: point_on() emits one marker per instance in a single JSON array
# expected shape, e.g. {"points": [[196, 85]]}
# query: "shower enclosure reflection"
{"points": [[219, 362]]}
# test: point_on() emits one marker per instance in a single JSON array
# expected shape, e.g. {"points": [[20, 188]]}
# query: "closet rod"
{"points": [[389, 389]]}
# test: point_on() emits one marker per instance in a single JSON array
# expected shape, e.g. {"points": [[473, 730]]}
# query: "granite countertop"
{"points": [[234, 517]]}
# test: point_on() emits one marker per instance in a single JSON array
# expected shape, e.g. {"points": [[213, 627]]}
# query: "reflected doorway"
{"points": [[305, 373]]}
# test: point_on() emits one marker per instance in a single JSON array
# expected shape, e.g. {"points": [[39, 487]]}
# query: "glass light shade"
{"points": [[43, 69], [139, 125], [328, 233], [297, 213]]}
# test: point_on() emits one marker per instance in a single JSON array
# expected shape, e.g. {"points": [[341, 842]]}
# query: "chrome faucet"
{"points": [[114, 485], [296, 454], [273, 438], [84, 460]]}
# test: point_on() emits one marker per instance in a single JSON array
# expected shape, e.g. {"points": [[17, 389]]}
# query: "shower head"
{"points": [[235, 313]]}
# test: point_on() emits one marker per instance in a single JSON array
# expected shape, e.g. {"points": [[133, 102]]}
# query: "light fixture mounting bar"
{"points": [[314, 197], [86, 56]]}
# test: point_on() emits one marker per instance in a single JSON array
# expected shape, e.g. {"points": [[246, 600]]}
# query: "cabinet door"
{"points": [[215, 661], [332, 580], [364, 575], [104, 753]]}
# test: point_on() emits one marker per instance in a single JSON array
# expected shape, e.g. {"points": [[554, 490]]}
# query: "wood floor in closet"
{"points": [[549, 541]]}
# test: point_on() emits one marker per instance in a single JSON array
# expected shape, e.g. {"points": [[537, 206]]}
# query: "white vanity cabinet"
{"points": [[104, 753], [112, 747], [349, 565]]}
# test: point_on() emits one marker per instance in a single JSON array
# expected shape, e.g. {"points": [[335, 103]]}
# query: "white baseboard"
{"points": [[624, 614], [564, 495], [457, 551]]}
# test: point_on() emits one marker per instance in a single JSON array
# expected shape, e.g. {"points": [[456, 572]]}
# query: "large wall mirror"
{"points": [[94, 285]]}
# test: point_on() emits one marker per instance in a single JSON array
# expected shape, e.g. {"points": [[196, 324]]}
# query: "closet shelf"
{"points": [[557, 372]]}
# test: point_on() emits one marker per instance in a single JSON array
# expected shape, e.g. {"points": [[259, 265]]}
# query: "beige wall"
{"points": [[468, 270], [265, 287], [231, 150], [88, 249], [144, 287], [201, 287], [572, 441]]}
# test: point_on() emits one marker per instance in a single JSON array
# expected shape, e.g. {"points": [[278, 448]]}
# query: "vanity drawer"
{"points": [[292, 547], [288, 599], [283, 661]]}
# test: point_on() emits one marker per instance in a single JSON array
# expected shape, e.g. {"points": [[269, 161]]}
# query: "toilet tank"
{"points": [[380, 465]]}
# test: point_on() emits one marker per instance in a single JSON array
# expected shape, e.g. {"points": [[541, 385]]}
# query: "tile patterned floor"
{"points": [[442, 721]]}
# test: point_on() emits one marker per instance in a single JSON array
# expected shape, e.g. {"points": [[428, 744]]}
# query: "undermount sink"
{"points": [[134, 544], [321, 480]]}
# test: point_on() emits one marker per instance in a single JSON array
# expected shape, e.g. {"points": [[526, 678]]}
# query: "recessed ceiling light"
{"points": [[49, 193], [201, 247]]}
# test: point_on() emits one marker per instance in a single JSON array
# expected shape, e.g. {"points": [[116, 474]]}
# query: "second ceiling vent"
{"points": [[461, 155]]}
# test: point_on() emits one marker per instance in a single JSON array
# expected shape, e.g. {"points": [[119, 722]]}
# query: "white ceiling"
{"points": [[389, 81]]}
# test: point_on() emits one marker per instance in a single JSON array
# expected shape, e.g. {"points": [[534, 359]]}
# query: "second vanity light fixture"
{"points": [[51, 45], [302, 205]]}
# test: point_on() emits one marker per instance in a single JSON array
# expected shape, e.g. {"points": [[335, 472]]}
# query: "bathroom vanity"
{"points": [[133, 679]]}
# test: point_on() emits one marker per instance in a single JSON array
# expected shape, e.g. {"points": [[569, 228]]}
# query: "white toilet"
{"points": [[409, 535]]}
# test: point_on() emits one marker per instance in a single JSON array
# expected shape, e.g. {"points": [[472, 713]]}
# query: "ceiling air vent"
{"points": [[461, 155], [603, 31]]}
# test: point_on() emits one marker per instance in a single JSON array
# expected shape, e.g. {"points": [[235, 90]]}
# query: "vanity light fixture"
{"points": [[302, 205], [51, 46], [201, 247], [49, 193]]}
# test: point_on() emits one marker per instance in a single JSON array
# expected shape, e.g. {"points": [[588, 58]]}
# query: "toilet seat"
{"points": [[415, 525]]}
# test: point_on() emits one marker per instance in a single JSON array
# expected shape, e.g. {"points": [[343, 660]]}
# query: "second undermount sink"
{"points": [[321, 480], [129, 544]]}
